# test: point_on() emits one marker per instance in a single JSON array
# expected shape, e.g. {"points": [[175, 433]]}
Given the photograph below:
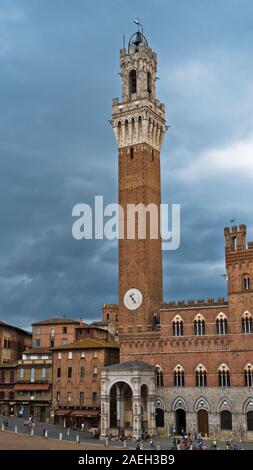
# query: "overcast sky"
{"points": [[59, 64]]}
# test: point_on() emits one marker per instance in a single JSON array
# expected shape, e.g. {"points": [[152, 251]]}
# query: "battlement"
{"points": [[189, 304], [236, 238]]}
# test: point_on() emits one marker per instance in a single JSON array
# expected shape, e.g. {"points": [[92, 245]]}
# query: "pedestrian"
{"points": [[152, 445], [214, 444], [137, 446], [227, 446], [178, 445], [174, 444]]}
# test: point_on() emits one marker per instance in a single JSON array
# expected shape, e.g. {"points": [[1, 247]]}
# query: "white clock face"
{"points": [[133, 299]]}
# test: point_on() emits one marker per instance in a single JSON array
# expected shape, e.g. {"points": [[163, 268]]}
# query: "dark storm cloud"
{"points": [[59, 72]]}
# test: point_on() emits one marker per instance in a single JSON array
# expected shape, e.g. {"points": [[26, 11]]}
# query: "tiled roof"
{"points": [[37, 351], [55, 321], [15, 328], [140, 365]]}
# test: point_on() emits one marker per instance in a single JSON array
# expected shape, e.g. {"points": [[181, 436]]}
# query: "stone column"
{"points": [[136, 416], [120, 409], [151, 415], [105, 417]]}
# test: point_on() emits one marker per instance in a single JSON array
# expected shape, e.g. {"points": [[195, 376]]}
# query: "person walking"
{"points": [[152, 445]]}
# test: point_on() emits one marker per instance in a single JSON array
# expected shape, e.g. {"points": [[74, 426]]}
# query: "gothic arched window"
{"points": [[179, 376], [159, 376], [132, 81], [248, 375], [221, 324], [199, 325], [247, 326], [224, 376], [177, 326], [201, 378]]}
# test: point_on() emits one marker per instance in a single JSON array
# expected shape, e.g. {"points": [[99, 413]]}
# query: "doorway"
{"points": [[180, 421], [203, 427], [159, 418]]}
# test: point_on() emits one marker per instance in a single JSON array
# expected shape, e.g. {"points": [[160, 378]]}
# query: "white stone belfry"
{"points": [[140, 117]]}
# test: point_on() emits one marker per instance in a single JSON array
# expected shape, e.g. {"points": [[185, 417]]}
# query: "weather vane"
{"points": [[232, 221], [138, 22]]}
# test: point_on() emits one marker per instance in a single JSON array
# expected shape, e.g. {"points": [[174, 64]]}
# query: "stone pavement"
{"points": [[87, 437]]}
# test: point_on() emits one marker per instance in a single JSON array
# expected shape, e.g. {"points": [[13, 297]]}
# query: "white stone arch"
{"points": [[248, 365], [160, 403], [119, 381], [178, 368], [199, 316], [248, 405], [246, 314], [177, 317], [200, 367], [221, 316], [202, 404], [224, 404], [223, 367], [179, 403]]}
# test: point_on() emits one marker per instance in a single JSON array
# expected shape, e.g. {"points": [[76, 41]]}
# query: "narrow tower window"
{"points": [[149, 86], [132, 81], [131, 153], [246, 282]]}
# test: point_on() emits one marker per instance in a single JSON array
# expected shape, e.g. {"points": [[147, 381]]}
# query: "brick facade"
{"points": [[76, 380], [13, 341], [54, 332]]}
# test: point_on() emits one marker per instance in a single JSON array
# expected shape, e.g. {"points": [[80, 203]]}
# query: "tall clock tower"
{"points": [[139, 125]]}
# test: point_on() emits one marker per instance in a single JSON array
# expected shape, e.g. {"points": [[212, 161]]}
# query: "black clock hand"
{"points": [[132, 297]]}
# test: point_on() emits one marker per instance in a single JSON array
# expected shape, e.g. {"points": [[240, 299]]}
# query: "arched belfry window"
{"points": [[247, 325], [246, 282], [221, 324], [179, 376], [132, 81], [248, 375], [149, 82], [224, 376]]}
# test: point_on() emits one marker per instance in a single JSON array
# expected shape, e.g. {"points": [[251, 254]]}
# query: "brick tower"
{"points": [[239, 264], [139, 125]]}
